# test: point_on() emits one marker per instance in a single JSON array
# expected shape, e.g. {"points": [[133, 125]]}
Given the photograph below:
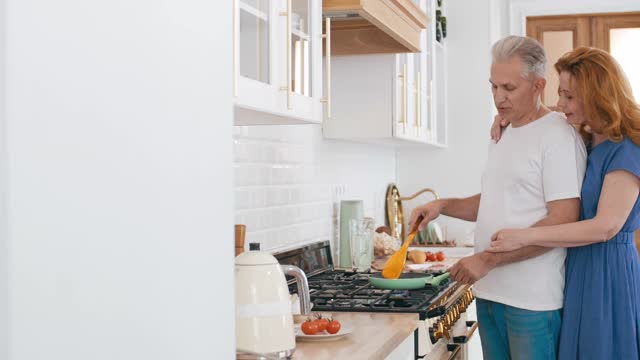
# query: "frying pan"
{"points": [[407, 281]]}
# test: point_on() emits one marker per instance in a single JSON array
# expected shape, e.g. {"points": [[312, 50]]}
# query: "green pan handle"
{"points": [[438, 279]]}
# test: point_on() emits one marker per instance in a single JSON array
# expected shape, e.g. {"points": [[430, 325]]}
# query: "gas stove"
{"points": [[337, 290], [343, 290]]}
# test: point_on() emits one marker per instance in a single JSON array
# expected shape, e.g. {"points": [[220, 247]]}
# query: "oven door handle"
{"points": [[454, 349], [473, 326]]}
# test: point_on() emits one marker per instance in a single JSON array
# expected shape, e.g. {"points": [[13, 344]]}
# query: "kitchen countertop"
{"points": [[374, 336], [453, 255]]}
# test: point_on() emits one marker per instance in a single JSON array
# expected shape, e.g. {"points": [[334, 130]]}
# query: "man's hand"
{"points": [[472, 268], [429, 211], [499, 123]]}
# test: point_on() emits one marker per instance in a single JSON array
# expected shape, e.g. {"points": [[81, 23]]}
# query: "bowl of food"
{"points": [[384, 244]]}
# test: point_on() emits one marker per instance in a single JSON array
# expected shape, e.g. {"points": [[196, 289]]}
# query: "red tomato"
{"points": [[440, 256], [431, 257], [322, 324], [333, 327], [309, 327]]}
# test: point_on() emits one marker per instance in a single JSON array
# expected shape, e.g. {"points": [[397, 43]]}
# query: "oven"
{"points": [[443, 330], [449, 332]]}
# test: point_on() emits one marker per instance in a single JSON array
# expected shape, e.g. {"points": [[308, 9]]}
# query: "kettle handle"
{"points": [[303, 287]]}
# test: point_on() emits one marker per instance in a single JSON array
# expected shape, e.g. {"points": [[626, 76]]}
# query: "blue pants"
{"points": [[507, 332]]}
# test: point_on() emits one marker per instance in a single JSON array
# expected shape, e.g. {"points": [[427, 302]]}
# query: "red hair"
{"points": [[605, 91]]}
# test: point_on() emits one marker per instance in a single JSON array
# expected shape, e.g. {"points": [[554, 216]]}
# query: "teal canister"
{"points": [[349, 210]]}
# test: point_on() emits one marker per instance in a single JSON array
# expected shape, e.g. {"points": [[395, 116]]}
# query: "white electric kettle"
{"points": [[264, 322]]}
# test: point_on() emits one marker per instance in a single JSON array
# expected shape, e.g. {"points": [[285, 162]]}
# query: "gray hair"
{"points": [[527, 49]]}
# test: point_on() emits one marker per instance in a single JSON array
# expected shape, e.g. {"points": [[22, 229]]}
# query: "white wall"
{"points": [[118, 171], [456, 171], [4, 295], [289, 181]]}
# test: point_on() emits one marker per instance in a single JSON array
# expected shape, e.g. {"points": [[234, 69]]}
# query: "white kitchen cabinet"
{"points": [[437, 84], [277, 61], [391, 98], [404, 351]]}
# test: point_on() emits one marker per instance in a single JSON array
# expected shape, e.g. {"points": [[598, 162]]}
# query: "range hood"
{"points": [[374, 26]]}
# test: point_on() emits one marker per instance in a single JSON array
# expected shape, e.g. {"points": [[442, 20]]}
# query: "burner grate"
{"points": [[349, 291]]}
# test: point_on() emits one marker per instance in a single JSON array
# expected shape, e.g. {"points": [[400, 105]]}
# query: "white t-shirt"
{"points": [[531, 165]]}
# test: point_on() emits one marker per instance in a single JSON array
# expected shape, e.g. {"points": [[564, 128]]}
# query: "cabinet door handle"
{"points": [[327, 37], [236, 45], [431, 108], [287, 87], [403, 104], [418, 106]]}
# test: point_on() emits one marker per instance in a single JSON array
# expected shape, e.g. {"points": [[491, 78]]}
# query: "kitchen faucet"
{"points": [[395, 215]]}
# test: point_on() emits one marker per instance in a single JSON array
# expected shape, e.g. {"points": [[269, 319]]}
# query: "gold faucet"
{"points": [[419, 193], [395, 215]]}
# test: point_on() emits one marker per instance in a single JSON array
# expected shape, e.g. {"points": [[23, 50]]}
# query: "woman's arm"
{"points": [[619, 193]]}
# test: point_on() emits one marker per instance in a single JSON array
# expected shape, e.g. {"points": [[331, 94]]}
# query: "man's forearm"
{"points": [[465, 209], [522, 254]]}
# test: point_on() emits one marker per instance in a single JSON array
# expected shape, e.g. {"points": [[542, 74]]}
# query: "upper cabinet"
{"points": [[277, 62], [392, 98], [375, 26]]}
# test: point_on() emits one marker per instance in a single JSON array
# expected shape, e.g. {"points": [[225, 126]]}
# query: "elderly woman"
{"points": [[601, 318]]}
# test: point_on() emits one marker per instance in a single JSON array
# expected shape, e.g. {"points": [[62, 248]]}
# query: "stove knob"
{"points": [[438, 332], [445, 331]]}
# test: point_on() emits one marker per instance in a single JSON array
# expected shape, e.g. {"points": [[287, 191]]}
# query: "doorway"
{"points": [[616, 33]]}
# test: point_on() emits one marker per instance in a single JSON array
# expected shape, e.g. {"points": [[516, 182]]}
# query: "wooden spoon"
{"points": [[393, 268]]}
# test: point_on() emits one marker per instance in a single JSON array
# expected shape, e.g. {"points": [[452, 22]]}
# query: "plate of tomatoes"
{"points": [[321, 329]]}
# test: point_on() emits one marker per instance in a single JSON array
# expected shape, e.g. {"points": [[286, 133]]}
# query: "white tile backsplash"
{"points": [[289, 181]]}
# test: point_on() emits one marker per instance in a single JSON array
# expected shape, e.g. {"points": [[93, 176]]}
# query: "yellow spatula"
{"points": [[393, 268]]}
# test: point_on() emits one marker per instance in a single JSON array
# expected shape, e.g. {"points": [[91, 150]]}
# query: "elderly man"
{"points": [[533, 177]]}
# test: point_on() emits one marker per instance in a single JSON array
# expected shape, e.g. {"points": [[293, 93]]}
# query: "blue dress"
{"points": [[601, 317]]}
